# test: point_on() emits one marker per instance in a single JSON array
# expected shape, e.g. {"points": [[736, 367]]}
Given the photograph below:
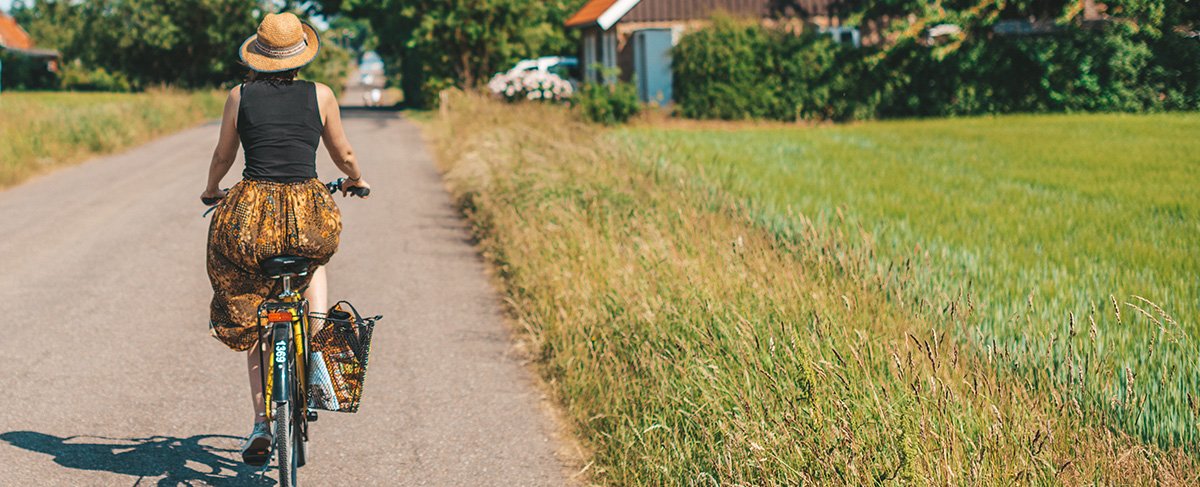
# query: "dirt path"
{"points": [[109, 376]]}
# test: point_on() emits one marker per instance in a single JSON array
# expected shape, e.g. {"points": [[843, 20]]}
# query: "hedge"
{"points": [[736, 70]]}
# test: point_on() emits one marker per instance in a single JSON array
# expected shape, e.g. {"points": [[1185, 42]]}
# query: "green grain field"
{"points": [[40, 131], [698, 332], [1040, 220]]}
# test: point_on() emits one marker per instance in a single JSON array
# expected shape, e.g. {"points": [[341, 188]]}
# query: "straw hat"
{"points": [[283, 42]]}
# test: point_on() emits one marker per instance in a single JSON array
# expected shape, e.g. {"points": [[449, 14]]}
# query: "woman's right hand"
{"points": [[350, 183]]}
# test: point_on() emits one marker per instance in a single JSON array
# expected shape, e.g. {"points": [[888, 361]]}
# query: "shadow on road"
{"points": [[176, 460]]}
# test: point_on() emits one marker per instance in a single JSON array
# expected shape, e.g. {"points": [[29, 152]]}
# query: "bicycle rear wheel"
{"points": [[283, 445], [299, 425], [286, 436]]}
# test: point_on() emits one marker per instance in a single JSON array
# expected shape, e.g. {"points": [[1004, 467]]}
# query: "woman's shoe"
{"points": [[257, 449]]}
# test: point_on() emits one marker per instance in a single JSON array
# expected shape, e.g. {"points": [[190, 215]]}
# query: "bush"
{"points": [[728, 71], [76, 77], [1175, 74], [530, 85], [1114, 68], [739, 69], [735, 70], [609, 105]]}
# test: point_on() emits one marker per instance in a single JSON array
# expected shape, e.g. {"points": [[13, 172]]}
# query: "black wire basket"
{"points": [[338, 355]]}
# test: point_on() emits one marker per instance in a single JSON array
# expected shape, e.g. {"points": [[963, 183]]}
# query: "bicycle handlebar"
{"points": [[335, 186], [332, 186]]}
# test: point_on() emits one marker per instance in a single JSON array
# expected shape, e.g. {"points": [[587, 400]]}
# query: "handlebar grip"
{"points": [[336, 185]]}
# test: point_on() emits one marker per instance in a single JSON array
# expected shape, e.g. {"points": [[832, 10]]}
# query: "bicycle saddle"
{"points": [[285, 265]]}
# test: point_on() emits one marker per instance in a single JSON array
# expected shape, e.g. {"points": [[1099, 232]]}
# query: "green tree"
{"points": [[351, 33], [332, 66], [52, 24], [438, 43], [186, 43], [978, 16], [107, 44]]}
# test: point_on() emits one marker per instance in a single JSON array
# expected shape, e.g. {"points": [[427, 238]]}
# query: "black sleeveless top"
{"points": [[280, 127]]}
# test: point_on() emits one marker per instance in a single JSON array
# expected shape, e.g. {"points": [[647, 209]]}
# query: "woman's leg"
{"points": [[256, 450], [317, 295], [253, 362]]}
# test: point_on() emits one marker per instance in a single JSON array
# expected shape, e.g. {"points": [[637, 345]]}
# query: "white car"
{"points": [[564, 67]]}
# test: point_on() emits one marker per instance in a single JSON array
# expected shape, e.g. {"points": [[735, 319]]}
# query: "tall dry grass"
{"points": [[41, 131], [692, 347]]}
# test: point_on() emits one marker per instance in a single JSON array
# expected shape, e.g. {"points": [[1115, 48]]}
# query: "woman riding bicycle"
{"points": [[279, 207]]}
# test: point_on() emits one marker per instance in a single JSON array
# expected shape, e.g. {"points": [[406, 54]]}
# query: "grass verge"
{"points": [[690, 346], [1040, 219], [40, 131]]}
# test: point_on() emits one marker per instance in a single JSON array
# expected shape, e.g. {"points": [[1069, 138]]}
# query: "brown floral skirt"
{"points": [[258, 220]]}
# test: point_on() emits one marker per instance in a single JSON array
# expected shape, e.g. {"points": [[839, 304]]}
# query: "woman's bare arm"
{"points": [[335, 138], [227, 146]]}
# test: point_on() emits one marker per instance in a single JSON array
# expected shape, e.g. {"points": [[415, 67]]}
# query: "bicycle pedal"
{"points": [[312, 416]]}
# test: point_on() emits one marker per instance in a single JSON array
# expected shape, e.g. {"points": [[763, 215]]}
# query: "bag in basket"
{"points": [[338, 360]]}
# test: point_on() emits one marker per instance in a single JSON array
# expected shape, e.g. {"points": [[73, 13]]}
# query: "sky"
{"points": [[5, 5]]}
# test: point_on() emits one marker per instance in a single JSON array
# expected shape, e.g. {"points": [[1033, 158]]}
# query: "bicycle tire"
{"points": [[285, 435], [283, 447], [299, 426]]}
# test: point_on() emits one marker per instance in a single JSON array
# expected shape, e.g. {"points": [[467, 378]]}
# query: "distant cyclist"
{"points": [[279, 207]]}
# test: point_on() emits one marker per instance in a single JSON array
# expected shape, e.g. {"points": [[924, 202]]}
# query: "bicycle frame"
{"points": [[285, 322]]}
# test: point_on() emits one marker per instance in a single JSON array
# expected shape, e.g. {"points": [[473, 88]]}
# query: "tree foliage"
{"points": [[186, 43], [134, 44], [736, 70], [438, 44], [908, 17]]}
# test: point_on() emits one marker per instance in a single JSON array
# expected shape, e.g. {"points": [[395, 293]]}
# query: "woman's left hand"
{"points": [[213, 195]]}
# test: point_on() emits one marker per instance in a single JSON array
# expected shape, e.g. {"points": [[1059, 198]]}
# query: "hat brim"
{"points": [[268, 64]]}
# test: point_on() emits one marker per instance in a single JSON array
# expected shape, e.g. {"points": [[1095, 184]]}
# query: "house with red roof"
{"points": [[634, 37], [23, 63]]}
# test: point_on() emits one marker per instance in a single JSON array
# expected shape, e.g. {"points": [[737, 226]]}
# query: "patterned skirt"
{"points": [[258, 220]]}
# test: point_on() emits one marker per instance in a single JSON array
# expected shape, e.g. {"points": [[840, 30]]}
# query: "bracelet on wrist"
{"points": [[357, 179]]}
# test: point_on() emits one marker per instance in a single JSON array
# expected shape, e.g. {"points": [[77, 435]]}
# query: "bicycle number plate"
{"points": [[279, 350]]}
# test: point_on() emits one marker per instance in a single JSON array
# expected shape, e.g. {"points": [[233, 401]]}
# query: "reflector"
{"points": [[279, 316]]}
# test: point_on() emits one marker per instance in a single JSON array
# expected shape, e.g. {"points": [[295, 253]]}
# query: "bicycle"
{"points": [[285, 336]]}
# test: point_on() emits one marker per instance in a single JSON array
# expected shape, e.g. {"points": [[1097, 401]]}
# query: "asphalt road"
{"points": [[108, 375]]}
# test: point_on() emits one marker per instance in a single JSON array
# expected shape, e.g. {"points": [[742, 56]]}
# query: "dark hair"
{"points": [[283, 77]]}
